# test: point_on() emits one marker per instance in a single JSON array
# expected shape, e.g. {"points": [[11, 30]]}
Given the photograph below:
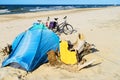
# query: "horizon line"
{"points": [[60, 4]]}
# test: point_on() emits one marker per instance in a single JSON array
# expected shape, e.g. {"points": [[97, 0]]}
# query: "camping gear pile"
{"points": [[39, 45]]}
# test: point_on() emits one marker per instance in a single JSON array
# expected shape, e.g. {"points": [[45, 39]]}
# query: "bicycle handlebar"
{"points": [[63, 18]]}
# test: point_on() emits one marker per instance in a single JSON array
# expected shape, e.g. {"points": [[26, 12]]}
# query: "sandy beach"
{"points": [[101, 27]]}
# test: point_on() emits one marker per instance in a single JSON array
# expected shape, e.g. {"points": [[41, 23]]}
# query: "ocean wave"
{"points": [[38, 9], [4, 11]]}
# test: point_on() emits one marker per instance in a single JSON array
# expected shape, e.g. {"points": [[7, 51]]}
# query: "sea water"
{"points": [[14, 9]]}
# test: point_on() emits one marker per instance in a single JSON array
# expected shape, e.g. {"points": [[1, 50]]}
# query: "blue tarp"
{"points": [[30, 48]]}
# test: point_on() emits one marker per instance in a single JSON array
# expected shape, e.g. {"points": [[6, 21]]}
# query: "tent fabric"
{"points": [[67, 56], [38, 26], [30, 48]]}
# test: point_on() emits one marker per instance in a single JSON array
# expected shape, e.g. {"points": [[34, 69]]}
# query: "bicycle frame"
{"points": [[61, 25]]}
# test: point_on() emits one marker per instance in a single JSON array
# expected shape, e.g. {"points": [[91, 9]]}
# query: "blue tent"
{"points": [[30, 48]]}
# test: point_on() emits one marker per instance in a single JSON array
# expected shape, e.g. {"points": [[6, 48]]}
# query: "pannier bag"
{"points": [[52, 24]]}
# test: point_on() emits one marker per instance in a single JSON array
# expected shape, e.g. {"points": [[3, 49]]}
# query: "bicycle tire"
{"points": [[67, 29]]}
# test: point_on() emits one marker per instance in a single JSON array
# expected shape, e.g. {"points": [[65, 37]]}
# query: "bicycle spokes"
{"points": [[68, 29]]}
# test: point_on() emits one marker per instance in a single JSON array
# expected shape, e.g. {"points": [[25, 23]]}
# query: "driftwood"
{"points": [[6, 50], [81, 47], [85, 64]]}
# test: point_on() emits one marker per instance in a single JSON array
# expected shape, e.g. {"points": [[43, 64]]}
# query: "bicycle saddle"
{"points": [[56, 18], [65, 17]]}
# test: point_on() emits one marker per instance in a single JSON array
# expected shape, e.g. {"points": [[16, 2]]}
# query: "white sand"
{"points": [[101, 27]]}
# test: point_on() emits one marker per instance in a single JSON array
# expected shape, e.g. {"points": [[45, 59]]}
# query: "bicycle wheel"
{"points": [[68, 29]]}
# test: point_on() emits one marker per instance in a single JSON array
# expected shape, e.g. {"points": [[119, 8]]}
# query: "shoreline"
{"points": [[44, 14]]}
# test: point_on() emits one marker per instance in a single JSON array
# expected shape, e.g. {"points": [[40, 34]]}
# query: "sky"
{"points": [[59, 2]]}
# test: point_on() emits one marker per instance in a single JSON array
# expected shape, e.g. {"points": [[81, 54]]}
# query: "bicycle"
{"points": [[63, 27]]}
